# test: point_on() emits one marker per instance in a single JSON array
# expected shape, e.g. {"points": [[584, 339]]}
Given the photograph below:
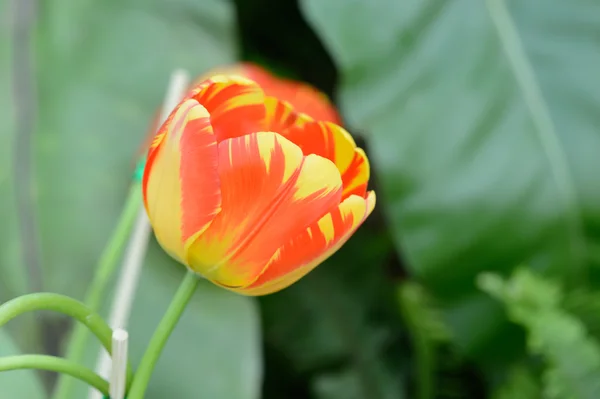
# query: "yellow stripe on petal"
{"points": [[270, 193], [155, 144], [303, 253], [189, 123]]}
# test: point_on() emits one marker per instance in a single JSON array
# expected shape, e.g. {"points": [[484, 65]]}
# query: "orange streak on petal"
{"points": [[200, 185], [356, 178], [236, 105], [319, 241], [325, 139], [270, 192]]}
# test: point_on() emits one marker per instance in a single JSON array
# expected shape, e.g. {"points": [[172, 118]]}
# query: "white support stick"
{"points": [[138, 243], [118, 372]]}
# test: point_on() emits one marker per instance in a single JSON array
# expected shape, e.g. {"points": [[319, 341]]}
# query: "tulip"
{"points": [[249, 193]]}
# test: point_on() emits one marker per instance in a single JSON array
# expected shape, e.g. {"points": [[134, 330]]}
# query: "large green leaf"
{"points": [[20, 383], [12, 279], [14, 274], [483, 121]]}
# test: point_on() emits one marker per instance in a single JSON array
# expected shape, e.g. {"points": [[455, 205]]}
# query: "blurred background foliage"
{"points": [[478, 275]]}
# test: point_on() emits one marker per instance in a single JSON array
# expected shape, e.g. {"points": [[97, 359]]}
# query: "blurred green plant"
{"points": [[572, 356]]}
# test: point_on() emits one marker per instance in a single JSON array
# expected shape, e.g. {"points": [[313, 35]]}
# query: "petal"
{"points": [[270, 192], [356, 177], [335, 143], [181, 183], [280, 115], [236, 105], [318, 242], [303, 97], [308, 100]]}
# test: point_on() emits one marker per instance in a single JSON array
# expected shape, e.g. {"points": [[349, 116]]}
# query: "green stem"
{"points": [[424, 349], [58, 303], [57, 364], [161, 335], [61, 304], [109, 261]]}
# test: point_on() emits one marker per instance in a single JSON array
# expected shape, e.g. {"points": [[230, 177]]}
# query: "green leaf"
{"points": [[427, 332], [585, 305], [13, 278], [573, 357], [520, 383], [103, 69], [422, 313], [14, 273], [482, 121], [18, 383], [348, 384], [339, 324]]}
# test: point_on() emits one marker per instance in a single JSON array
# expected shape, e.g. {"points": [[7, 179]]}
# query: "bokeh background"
{"points": [[482, 122]]}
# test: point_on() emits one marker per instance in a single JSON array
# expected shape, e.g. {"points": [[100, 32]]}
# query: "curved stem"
{"points": [[62, 304], [58, 303], [57, 364], [107, 265], [161, 335]]}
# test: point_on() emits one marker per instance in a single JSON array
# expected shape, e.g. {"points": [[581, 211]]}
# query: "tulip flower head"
{"points": [[250, 193]]}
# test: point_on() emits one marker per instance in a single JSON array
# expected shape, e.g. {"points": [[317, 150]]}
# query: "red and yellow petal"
{"points": [[308, 100], [270, 191], [356, 178], [335, 143], [236, 105], [319, 241], [303, 97], [280, 115], [181, 183]]}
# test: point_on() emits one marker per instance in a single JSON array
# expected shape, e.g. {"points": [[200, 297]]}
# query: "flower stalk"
{"points": [[61, 304], [161, 335], [56, 364]]}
